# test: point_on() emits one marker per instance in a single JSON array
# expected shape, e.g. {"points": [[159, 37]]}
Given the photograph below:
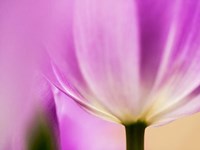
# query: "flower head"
{"points": [[128, 60]]}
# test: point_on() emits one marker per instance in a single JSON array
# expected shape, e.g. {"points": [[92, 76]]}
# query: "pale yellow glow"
{"points": [[183, 134]]}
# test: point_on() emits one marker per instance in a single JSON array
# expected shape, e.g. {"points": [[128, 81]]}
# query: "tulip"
{"points": [[131, 62]]}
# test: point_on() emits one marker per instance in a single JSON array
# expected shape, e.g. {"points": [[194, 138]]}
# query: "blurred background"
{"points": [[182, 134]]}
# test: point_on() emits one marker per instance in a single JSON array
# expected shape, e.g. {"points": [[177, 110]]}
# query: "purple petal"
{"points": [[178, 73], [75, 124], [108, 52], [113, 53]]}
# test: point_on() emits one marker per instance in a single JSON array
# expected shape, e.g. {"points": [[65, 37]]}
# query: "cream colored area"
{"points": [[183, 134]]}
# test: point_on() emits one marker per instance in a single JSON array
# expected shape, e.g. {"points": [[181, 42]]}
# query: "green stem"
{"points": [[135, 136]]}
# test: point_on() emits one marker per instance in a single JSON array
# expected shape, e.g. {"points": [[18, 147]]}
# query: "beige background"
{"points": [[183, 134]]}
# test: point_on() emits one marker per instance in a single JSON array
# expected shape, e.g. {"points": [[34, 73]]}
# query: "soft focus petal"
{"points": [[155, 18], [108, 52], [80, 130], [188, 106], [178, 74], [96, 54], [60, 47]]}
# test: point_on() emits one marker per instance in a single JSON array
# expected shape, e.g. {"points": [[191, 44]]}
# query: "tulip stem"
{"points": [[135, 136]]}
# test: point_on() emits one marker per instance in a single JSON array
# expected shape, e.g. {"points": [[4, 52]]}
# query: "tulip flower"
{"points": [[132, 62]]}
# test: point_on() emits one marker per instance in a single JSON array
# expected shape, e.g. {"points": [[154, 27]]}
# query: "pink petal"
{"points": [[178, 73], [80, 130]]}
